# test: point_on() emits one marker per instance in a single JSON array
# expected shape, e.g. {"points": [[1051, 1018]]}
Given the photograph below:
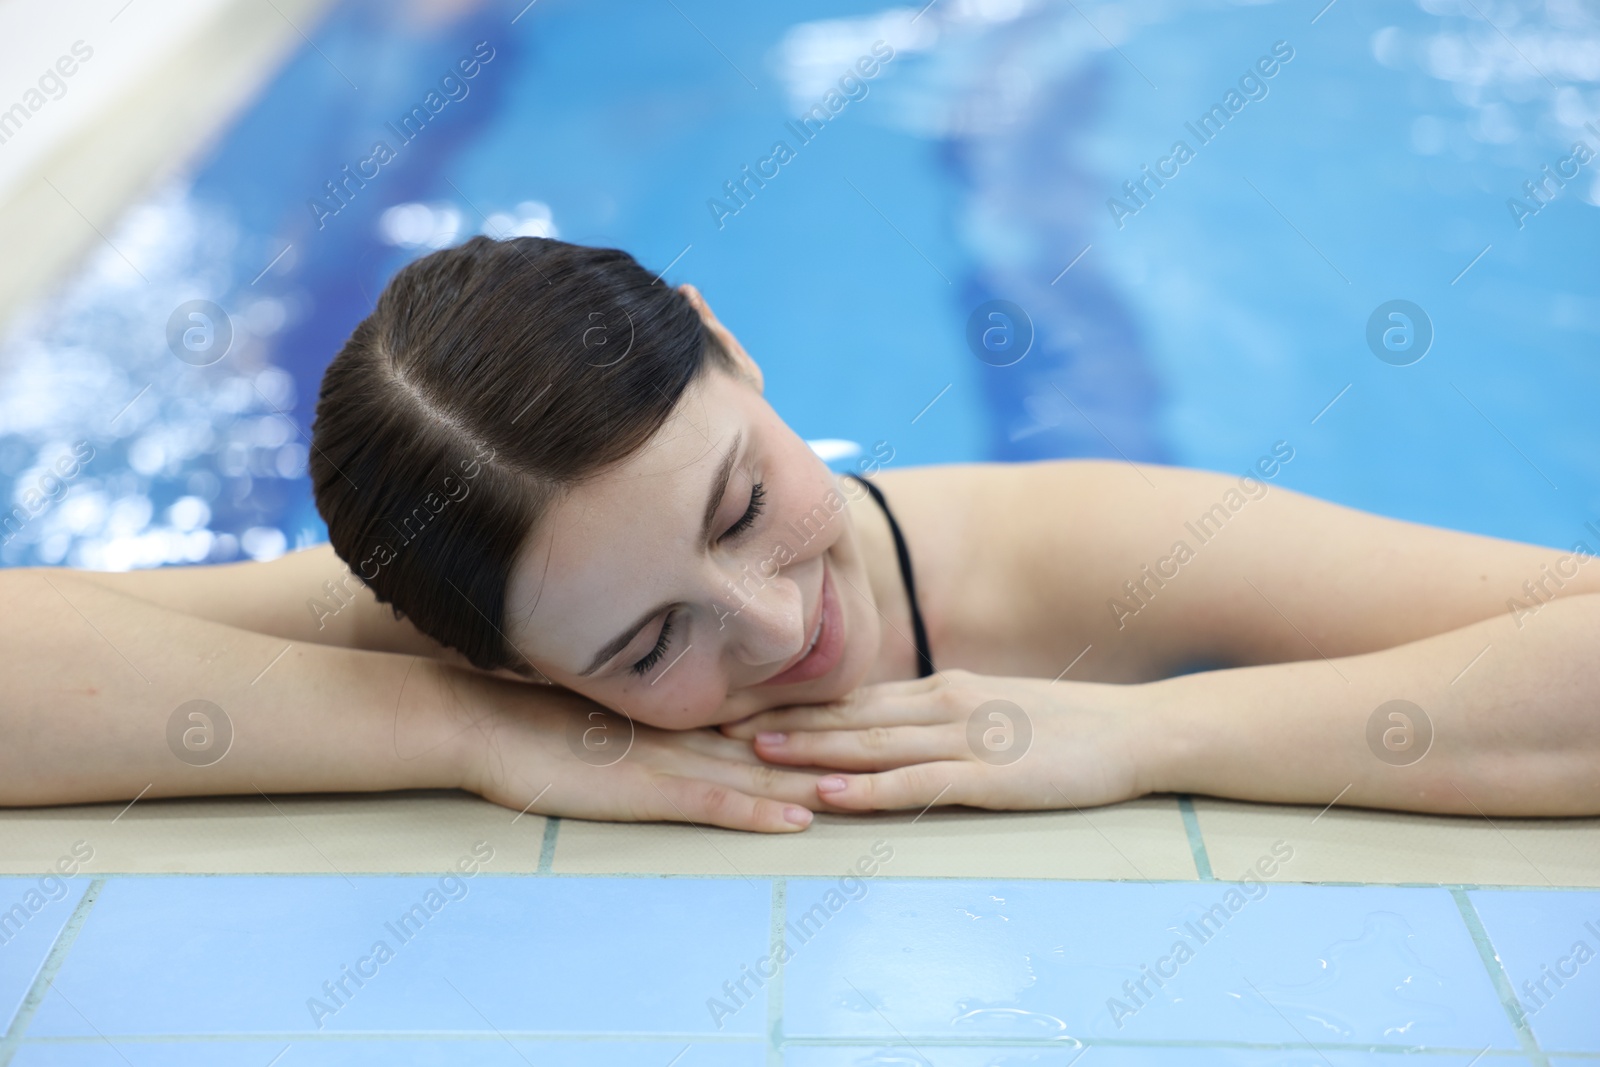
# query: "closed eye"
{"points": [[644, 666], [758, 493], [651, 658]]}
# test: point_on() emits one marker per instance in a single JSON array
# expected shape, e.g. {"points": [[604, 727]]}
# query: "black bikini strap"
{"points": [[918, 631]]}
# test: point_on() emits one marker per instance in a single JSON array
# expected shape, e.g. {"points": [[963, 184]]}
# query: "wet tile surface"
{"points": [[1549, 944], [1144, 962], [32, 914], [492, 969], [490, 1050], [286, 955], [1112, 1056]]}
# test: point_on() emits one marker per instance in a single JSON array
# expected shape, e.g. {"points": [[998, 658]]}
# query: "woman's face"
{"points": [[713, 574]]}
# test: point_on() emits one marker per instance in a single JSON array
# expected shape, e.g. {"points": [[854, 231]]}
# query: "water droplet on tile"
{"points": [[893, 1059], [1029, 1021], [1404, 991]]}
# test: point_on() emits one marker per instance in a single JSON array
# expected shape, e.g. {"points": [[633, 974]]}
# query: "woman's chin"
{"points": [[838, 684], [862, 638], [847, 676]]}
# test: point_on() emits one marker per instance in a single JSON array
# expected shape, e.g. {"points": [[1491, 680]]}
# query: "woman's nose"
{"points": [[770, 623]]}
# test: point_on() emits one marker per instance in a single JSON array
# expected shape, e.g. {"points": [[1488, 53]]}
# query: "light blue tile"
{"points": [[1378, 965], [357, 1052], [122, 1053], [32, 912], [923, 1055], [1549, 944], [1113, 1056], [221, 955]]}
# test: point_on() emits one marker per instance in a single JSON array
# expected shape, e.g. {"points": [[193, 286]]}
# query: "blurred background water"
{"points": [[1198, 321]]}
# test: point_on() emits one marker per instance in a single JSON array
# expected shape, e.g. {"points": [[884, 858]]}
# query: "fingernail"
{"points": [[768, 737], [797, 815], [831, 784]]}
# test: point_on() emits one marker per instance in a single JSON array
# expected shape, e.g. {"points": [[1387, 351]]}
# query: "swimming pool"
{"points": [[1342, 257], [1189, 307]]}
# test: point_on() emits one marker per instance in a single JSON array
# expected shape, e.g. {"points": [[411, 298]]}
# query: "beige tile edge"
{"points": [[413, 832], [1362, 846], [421, 832], [1143, 839]]}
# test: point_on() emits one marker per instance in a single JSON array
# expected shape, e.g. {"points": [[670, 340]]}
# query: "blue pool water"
{"points": [[1227, 312]]}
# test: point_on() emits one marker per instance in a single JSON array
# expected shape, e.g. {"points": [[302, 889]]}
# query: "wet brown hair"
{"points": [[489, 378]]}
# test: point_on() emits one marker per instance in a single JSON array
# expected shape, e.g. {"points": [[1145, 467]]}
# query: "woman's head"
{"points": [[557, 465]]}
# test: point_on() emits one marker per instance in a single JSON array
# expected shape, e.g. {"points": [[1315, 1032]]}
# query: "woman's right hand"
{"points": [[547, 750]]}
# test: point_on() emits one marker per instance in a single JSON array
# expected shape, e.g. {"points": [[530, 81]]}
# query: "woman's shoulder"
{"points": [[1008, 519], [976, 482], [985, 518]]}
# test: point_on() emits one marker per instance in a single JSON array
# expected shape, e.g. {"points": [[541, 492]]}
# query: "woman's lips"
{"points": [[825, 654]]}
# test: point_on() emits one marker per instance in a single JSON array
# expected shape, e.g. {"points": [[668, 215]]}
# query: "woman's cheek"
{"points": [[709, 708], [686, 702]]}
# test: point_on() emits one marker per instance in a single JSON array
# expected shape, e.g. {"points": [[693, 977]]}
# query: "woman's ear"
{"points": [[744, 366]]}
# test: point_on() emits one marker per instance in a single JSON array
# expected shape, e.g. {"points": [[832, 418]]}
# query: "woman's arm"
{"points": [[1511, 710], [1513, 713], [110, 697], [92, 679], [309, 596]]}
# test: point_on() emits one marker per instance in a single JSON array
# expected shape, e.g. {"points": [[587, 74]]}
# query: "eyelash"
{"points": [[758, 495], [651, 658]]}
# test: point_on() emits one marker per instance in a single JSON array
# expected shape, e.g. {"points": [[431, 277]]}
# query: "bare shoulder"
{"points": [[1160, 568], [1013, 510], [988, 543], [1085, 483]]}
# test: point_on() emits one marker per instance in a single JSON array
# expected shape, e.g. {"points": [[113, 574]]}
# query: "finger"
{"points": [[680, 799], [918, 786], [712, 742], [876, 748], [731, 750], [845, 715], [759, 779], [715, 758]]}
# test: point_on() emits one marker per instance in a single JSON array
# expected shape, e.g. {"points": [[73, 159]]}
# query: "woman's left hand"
{"points": [[963, 738]]}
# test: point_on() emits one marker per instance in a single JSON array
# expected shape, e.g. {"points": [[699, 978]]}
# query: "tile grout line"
{"points": [[463, 1037], [1499, 978], [1197, 841], [942, 1041], [48, 970], [780, 908], [1476, 887], [547, 847]]}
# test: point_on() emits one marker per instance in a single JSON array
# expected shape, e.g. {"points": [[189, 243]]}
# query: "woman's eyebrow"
{"points": [[621, 641], [719, 488]]}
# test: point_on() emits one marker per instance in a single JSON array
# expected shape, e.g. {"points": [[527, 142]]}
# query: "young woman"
{"points": [[563, 477]]}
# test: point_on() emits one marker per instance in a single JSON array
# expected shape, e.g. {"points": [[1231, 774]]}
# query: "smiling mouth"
{"points": [[815, 634], [826, 646]]}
